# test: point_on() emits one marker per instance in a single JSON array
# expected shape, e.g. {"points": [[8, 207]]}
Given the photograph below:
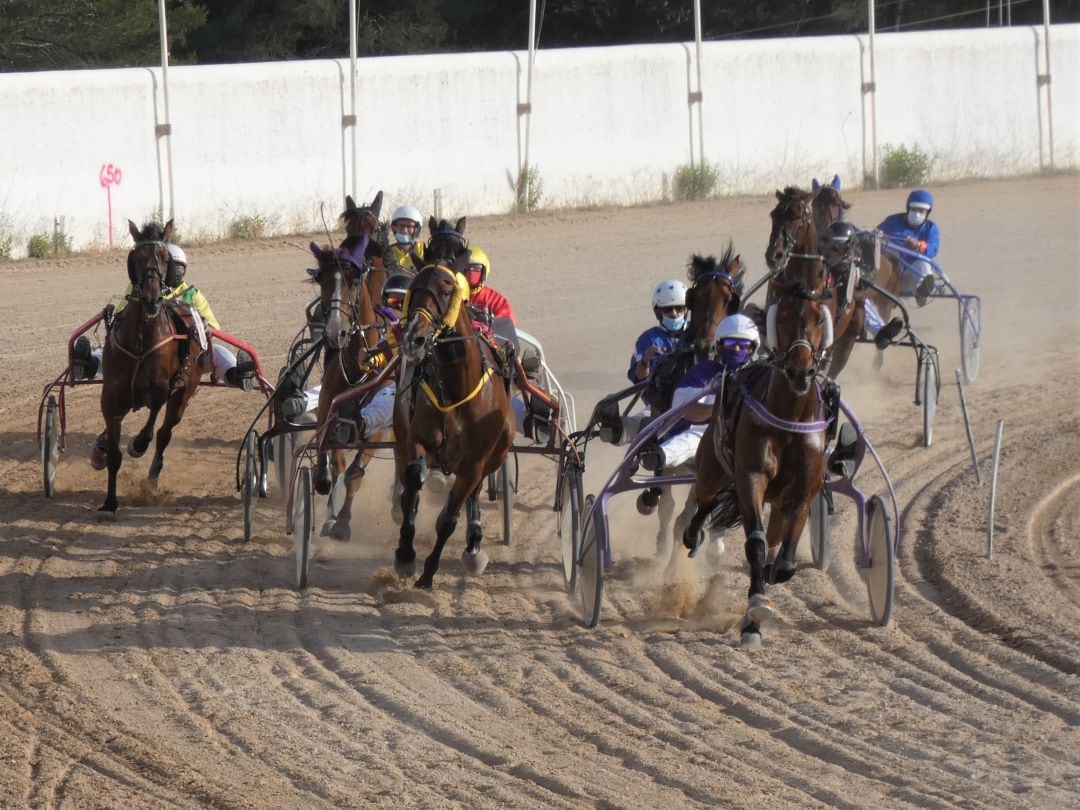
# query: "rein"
{"points": [[767, 417]]}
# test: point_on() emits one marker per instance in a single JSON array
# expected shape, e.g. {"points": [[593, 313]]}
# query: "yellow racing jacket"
{"points": [[186, 293]]}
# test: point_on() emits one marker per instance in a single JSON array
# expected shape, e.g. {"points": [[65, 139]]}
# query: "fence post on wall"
{"points": [[1044, 80], [524, 178], [164, 129], [870, 88], [696, 96], [349, 121]]}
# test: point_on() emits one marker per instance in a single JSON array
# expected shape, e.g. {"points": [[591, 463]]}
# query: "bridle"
{"points": [[818, 355], [152, 267], [790, 240]]}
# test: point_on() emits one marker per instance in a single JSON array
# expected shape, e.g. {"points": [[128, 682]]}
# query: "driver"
{"points": [[404, 230], [917, 232]]}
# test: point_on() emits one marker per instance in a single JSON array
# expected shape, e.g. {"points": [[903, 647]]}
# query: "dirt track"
{"points": [[159, 660]]}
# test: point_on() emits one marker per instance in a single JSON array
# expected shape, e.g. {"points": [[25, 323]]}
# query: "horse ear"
{"points": [[167, 236], [134, 229], [433, 225], [316, 251], [814, 185], [350, 203], [845, 205], [779, 195], [836, 182], [460, 227], [376, 204], [313, 272]]}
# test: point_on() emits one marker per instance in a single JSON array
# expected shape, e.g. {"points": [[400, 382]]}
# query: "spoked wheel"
{"points": [[819, 531], [264, 467], [283, 445], [570, 525], [302, 526], [881, 572], [50, 447], [249, 485], [507, 492], [930, 385], [970, 338], [591, 566]]}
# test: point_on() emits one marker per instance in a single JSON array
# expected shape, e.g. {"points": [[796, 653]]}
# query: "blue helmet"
{"points": [[920, 198]]}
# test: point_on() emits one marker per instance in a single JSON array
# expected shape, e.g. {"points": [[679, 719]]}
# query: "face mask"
{"points": [[403, 238], [916, 217], [735, 351], [673, 324]]}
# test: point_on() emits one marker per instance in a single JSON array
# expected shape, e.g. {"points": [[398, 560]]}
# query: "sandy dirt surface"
{"points": [[159, 660]]}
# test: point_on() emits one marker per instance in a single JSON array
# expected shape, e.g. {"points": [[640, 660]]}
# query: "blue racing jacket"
{"points": [[927, 234], [657, 336]]}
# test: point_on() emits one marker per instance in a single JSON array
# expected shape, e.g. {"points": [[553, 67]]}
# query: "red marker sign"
{"points": [[108, 177]]}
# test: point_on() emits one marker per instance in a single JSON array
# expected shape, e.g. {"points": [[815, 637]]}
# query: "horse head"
{"points": [[829, 206], [342, 296], [793, 231], [361, 220], [447, 243], [799, 332], [715, 292], [432, 305], [148, 262]]}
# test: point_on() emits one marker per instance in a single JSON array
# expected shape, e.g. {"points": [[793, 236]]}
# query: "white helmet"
{"points": [[177, 254], [737, 326], [406, 212], [670, 293]]}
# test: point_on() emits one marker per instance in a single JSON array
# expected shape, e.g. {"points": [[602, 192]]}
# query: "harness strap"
{"points": [[765, 416], [472, 395]]}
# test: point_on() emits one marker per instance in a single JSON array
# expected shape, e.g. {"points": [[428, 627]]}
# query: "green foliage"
{"points": [[252, 226], [903, 166], [695, 181], [5, 247], [530, 189], [42, 245]]}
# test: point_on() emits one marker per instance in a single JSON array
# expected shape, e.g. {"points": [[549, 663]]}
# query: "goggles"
{"points": [[672, 312], [394, 299]]}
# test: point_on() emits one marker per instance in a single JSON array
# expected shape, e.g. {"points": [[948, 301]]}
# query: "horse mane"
{"points": [[792, 191], [152, 232], [709, 264]]}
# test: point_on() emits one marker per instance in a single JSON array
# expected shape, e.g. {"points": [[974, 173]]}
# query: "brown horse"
{"points": [[146, 361], [352, 331], [715, 292], [453, 408], [772, 448]]}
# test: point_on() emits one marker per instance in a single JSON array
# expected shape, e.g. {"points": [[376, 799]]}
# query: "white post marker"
{"points": [[993, 491], [967, 427]]}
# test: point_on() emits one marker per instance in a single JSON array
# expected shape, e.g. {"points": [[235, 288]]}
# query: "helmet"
{"points": [[670, 293], [836, 240], [478, 268], [737, 338], [920, 198], [393, 291], [406, 212], [177, 254], [174, 274]]}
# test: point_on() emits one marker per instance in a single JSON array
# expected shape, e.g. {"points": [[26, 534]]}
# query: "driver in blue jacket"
{"points": [[917, 232]]}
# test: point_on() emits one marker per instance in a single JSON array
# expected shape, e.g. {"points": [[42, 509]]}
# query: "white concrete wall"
{"points": [[608, 125]]}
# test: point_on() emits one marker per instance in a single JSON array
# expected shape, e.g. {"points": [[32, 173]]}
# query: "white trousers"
{"points": [[682, 447]]}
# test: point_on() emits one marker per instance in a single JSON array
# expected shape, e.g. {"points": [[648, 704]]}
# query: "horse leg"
{"points": [[445, 525], [784, 540], [174, 412], [354, 476], [474, 558], [413, 476], [336, 464], [759, 608], [324, 477], [141, 440], [113, 460]]}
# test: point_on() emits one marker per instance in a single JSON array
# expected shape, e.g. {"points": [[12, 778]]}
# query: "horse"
{"points": [[715, 292], [146, 361], [453, 406], [772, 449], [352, 331]]}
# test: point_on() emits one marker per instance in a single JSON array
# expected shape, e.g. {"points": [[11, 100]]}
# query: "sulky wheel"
{"points": [[302, 526], [50, 447], [282, 450], [249, 485], [819, 531], [930, 385], [590, 578], [970, 338], [880, 575], [506, 490], [569, 525]]}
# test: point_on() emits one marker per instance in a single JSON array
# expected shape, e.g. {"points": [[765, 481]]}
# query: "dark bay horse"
{"points": [[352, 332], [772, 447], [715, 292], [453, 409], [146, 361]]}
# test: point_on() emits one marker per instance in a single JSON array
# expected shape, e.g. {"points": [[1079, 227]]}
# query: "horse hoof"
{"points": [[760, 609], [337, 530], [107, 510], [404, 569], [424, 583], [98, 461], [782, 571], [750, 639], [133, 448], [475, 562]]}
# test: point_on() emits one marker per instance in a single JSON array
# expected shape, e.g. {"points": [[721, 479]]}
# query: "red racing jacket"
{"points": [[493, 301]]}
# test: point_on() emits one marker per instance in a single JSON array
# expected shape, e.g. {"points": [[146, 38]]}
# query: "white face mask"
{"points": [[916, 217]]}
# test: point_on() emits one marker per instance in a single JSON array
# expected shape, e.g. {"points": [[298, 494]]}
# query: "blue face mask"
{"points": [[403, 239], [673, 324]]}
